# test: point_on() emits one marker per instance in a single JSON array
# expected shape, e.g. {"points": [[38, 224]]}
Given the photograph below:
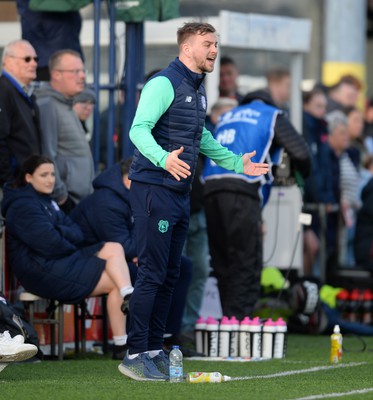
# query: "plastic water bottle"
{"points": [[279, 350], [199, 332], [233, 347], [367, 307], [212, 336], [256, 338], [342, 303], [207, 377], [245, 340], [269, 331], [225, 330], [354, 305], [176, 364], [336, 346]]}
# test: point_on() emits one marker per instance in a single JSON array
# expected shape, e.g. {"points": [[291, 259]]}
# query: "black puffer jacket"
{"points": [[20, 134]]}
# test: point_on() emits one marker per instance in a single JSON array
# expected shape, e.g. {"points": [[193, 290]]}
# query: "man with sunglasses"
{"points": [[64, 138], [20, 133]]}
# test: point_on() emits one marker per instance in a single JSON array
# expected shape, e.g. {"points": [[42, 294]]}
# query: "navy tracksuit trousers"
{"points": [[161, 223]]}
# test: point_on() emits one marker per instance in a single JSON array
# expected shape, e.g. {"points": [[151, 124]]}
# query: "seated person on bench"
{"points": [[46, 254]]}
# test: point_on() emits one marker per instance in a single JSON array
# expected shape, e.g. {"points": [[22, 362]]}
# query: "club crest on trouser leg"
{"points": [[163, 226]]}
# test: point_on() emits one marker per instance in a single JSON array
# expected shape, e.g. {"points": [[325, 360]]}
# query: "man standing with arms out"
{"points": [[168, 132], [19, 115], [64, 138]]}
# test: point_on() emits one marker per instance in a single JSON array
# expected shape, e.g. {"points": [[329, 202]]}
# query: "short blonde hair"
{"points": [[55, 58], [191, 29]]}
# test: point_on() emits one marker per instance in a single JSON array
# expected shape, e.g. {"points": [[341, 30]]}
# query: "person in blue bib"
{"points": [[169, 132], [233, 202]]}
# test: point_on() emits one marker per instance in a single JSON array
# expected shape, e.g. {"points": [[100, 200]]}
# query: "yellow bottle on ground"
{"points": [[336, 346], [207, 377]]}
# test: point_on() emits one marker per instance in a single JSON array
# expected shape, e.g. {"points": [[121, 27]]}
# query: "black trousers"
{"points": [[234, 227], [161, 225]]}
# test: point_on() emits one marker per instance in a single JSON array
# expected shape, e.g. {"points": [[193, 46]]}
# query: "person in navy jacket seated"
{"points": [[46, 254], [106, 215]]}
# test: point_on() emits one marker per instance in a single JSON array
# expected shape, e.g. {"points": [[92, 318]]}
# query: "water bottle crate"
{"points": [[249, 339], [356, 305]]}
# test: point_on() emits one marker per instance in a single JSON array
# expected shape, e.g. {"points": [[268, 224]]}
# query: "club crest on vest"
{"points": [[163, 226]]}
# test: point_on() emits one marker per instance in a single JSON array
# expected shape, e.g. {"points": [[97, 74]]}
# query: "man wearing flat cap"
{"points": [[84, 103]]}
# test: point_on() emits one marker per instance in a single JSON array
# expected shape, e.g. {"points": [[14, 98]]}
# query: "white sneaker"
{"points": [[19, 339], [13, 349]]}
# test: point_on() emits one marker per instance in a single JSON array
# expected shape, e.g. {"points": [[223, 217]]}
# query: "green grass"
{"points": [[97, 377]]}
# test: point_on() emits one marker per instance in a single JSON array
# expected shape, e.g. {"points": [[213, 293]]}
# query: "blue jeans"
{"points": [[196, 248]]}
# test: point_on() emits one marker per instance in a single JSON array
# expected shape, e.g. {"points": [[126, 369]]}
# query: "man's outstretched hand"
{"points": [[176, 167], [253, 169]]}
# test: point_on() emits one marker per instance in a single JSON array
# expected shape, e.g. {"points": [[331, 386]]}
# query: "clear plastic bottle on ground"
{"points": [[176, 364], [207, 377]]}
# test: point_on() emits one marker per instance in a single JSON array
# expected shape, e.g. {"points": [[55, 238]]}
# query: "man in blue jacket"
{"points": [[168, 132], [233, 202], [106, 215]]}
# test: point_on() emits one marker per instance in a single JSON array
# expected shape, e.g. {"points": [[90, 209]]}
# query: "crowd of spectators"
{"points": [[334, 155], [339, 138]]}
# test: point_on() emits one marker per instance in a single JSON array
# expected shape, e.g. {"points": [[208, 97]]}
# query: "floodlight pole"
{"points": [[134, 74], [296, 69]]}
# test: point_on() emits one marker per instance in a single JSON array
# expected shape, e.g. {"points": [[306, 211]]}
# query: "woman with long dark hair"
{"points": [[44, 252]]}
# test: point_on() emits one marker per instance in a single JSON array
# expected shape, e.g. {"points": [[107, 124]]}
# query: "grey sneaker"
{"points": [[162, 363], [141, 368]]}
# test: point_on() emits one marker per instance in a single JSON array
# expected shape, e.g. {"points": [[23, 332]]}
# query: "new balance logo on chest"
{"points": [[188, 99]]}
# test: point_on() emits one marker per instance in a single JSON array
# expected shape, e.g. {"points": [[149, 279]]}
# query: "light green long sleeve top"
{"points": [[156, 97]]}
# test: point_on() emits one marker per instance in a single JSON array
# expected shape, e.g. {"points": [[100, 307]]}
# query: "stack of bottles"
{"points": [[356, 305], [249, 338]]}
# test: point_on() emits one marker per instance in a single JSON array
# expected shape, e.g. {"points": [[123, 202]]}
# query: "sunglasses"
{"points": [[27, 59]]}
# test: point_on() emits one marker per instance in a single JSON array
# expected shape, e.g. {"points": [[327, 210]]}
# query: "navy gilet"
{"points": [[181, 125]]}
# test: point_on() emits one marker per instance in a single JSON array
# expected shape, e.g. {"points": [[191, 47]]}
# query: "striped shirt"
{"points": [[349, 180]]}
